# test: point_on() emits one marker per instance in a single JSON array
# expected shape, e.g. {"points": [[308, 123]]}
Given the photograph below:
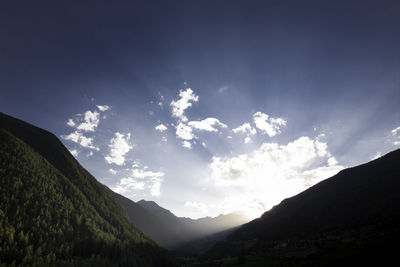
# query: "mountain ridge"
{"points": [[59, 213], [350, 213], [173, 232]]}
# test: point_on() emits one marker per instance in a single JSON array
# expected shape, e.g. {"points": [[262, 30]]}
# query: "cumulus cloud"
{"points": [[186, 144], [86, 122], [87, 142], [272, 172], [80, 139], [270, 161], [140, 180], [112, 171], [186, 97], [184, 132], [321, 148], [119, 146], [103, 108], [332, 161], [152, 179], [207, 124], [74, 137], [270, 126], [161, 128], [245, 128], [128, 186], [197, 205], [71, 123], [90, 122], [143, 173]]}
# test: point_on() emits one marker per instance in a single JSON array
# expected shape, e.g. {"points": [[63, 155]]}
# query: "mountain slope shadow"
{"points": [[53, 212], [353, 213]]}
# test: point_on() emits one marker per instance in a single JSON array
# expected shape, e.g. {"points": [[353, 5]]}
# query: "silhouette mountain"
{"points": [[357, 209], [176, 233], [54, 213]]}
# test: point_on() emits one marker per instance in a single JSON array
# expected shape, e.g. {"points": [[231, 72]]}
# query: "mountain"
{"points": [[177, 233], [162, 229], [193, 235], [352, 214], [53, 212], [222, 222]]}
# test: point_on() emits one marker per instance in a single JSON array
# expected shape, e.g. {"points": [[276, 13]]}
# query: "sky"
{"points": [[207, 107]]}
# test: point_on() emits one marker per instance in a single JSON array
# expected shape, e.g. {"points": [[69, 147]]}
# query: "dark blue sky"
{"points": [[327, 68]]}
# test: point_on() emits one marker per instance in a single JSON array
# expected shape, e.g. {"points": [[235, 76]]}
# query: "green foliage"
{"points": [[56, 213]]}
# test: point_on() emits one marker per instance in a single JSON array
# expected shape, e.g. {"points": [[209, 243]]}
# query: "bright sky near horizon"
{"points": [[207, 107]]}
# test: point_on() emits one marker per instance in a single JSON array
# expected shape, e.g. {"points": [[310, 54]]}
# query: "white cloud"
{"points": [[87, 142], [270, 161], [89, 154], [332, 161], [321, 148], [318, 174], [197, 205], [178, 107], [112, 171], [142, 173], [270, 126], [119, 146], [136, 164], [140, 179], [87, 122], [161, 128], [91, 121], [186, 144], [71, 122], [74, 137], [207, 124], [273, 172], [245, 128], [184, 132], [128, 186], [79, 138], [204, 144], [395, 131], [164, 139], [155, 187], [247, 140], [74, 152], [103, 108]]}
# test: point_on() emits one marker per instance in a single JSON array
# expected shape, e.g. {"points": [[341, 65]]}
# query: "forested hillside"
{"points": [[53, 212]]}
